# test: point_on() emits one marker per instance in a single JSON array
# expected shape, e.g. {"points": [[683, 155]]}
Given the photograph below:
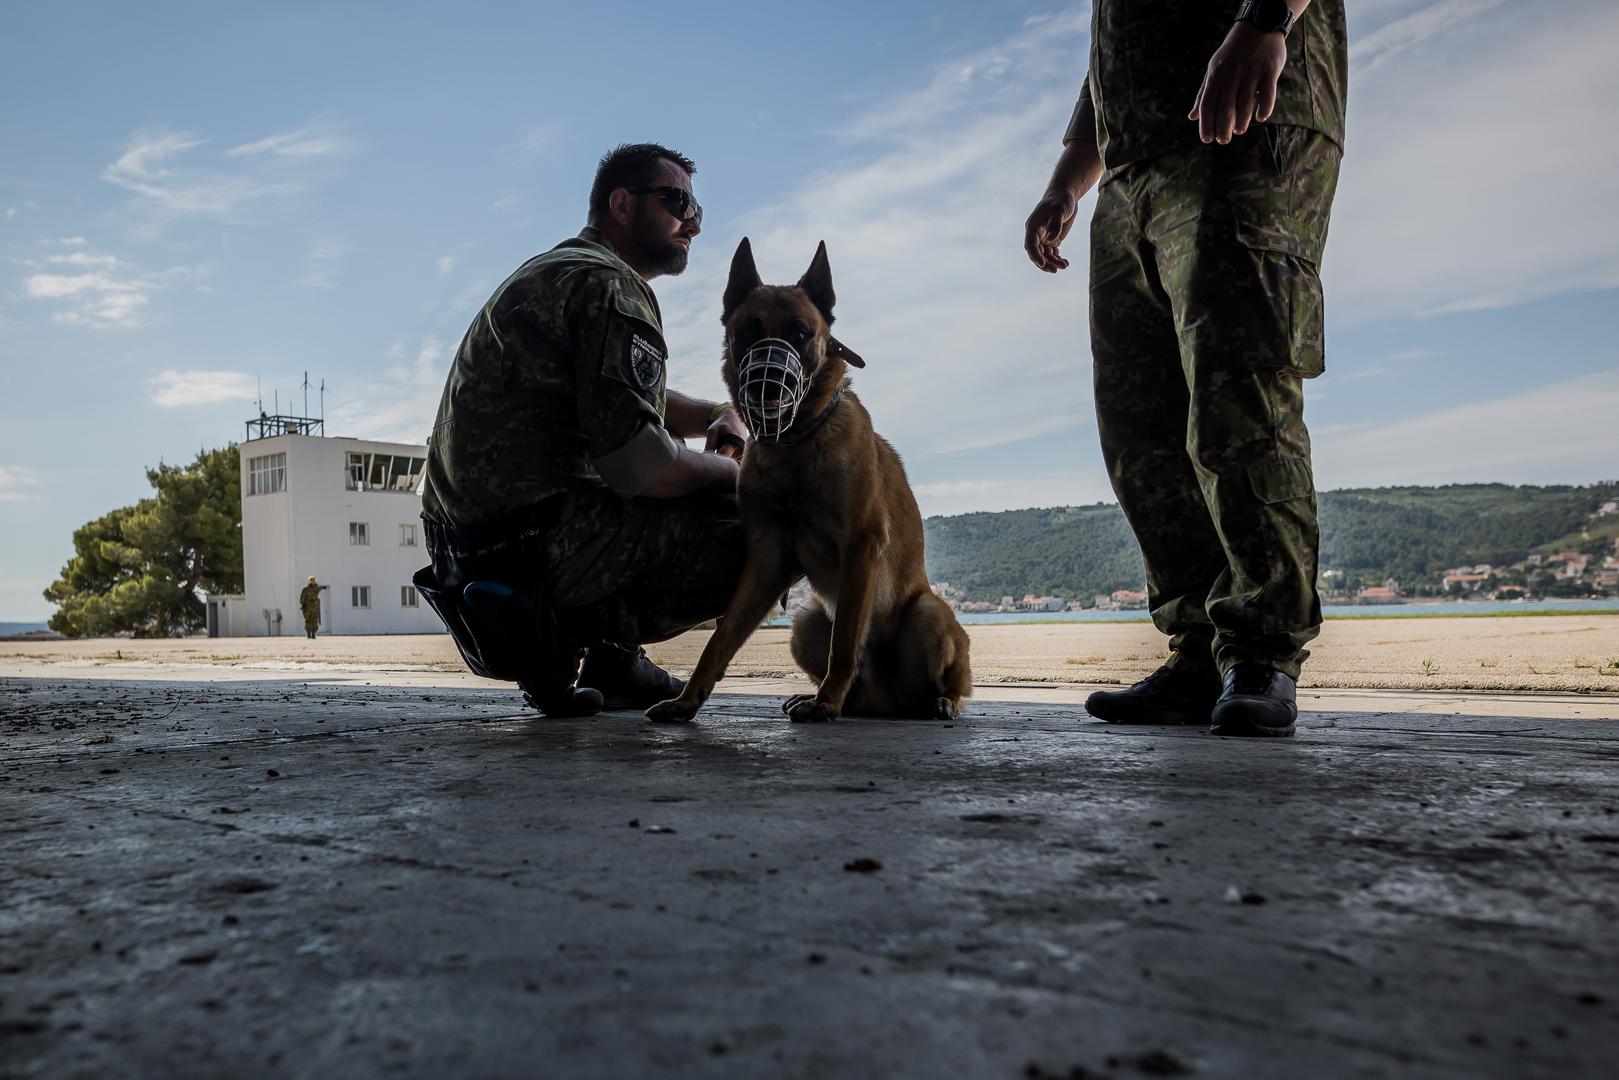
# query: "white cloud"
{"points": [[401, 407], [320, 265], [173, 389], [101, 300], [506, 202], [1552, 434], [18, 484], [445, 263], [314, 141], [1370, 51], [11, 212], [968, 346], [84, 258], [537, 140], [156, 164], [1445, 205], [1071, 488], [103, 290]]}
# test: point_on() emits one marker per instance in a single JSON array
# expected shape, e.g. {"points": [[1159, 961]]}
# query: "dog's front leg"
{"points": [[857, 579], [765, 576]]}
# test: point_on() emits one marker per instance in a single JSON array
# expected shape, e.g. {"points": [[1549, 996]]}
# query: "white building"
{"points": [[345, 510]]}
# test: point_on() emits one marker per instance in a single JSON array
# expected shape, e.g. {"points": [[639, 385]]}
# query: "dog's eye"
{"points": [[800, 332]]}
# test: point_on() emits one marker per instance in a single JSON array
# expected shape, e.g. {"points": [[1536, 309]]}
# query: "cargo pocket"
{"points": [[1286, 270], [1281, 479]]}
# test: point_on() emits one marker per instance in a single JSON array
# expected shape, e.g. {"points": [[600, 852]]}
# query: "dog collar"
{"points": [[803, 429]]}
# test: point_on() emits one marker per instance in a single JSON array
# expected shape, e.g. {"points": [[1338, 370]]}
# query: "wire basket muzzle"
{"points": [[770, 385]]}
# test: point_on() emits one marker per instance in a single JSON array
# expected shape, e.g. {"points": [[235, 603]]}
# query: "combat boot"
{"points": [[1167, 696], [626, 678], [1257, 700]]}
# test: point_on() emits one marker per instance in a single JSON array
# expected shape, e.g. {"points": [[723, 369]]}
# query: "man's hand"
{"points": [[1047, 228], [1076, 173], [1239, 86], [727, 424]]}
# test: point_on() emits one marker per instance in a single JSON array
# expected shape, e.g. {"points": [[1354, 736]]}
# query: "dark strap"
{"points": [[801, 429]]}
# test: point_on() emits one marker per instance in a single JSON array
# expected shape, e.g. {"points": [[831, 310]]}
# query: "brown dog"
{"points": [[824, 495]]}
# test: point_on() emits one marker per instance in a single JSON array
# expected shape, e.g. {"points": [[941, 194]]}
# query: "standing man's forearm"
{"points": [[1077, 171]]}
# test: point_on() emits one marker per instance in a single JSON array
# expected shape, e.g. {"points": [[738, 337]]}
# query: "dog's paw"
{"points": [[674, 711], [795, 701], [947, 709], [808, 710]]}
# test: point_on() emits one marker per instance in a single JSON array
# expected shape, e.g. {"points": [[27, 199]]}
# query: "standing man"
{"points": [[555, 470], [309, 604], [1206, 317]]}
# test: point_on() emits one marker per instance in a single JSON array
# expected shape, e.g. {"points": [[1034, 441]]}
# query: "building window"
{"points": [[383, 472], [407, 536], [267, 475], [408, 597], [359, 532], [360, 596]]}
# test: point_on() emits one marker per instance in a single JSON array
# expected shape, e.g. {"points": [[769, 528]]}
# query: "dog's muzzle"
{"points": [[771, 385]]}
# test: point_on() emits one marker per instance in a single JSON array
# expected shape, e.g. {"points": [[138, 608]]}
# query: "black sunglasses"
{"points": [[678, 201]]}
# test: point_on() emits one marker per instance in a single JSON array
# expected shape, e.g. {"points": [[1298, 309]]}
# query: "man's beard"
{"points": [[662, 254]]}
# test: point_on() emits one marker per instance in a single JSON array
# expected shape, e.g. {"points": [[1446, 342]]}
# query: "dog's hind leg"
{"points": [[859, 563], [811, 646], [936, 670]]}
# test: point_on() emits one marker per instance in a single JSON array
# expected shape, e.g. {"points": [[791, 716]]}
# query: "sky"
{"points": [[198, 201]]}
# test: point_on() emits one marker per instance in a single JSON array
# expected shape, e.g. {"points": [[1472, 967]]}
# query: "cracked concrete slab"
{"points": [[288, 878]]}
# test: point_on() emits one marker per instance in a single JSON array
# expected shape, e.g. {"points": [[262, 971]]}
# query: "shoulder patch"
{"points": [[645, 361]]}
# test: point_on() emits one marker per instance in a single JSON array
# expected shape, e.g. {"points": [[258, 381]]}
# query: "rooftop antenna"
{"points": [[323, 406], [306, 393], [260, 401], [278, 403]]}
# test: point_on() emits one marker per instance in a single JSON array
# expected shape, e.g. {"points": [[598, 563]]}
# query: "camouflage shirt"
{"points": [[558, 386], [1148, 58]]}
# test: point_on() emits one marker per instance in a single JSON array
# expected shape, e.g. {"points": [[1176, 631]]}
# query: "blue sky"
{"points": [[195, 198]]}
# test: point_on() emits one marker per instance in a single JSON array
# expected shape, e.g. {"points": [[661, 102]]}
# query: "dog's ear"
{"points": [[817, 283], [744, 279], [834, 347]]}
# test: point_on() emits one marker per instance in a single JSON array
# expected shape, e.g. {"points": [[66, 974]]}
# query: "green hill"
{"points": [[1408, 533]]}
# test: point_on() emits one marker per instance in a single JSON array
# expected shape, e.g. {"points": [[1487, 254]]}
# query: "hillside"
{"points": [[1408, 533]]}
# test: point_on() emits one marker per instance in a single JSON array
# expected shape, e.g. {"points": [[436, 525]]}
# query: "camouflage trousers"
{"points": [[1206, 317], [626, 571]]}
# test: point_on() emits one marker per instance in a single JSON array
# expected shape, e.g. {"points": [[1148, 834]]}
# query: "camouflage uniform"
{"points": [[1206, 317], [309, 604], [552, 417]]}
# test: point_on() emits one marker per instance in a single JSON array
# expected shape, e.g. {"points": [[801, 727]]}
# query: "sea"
{"points": [[1414, 609]]}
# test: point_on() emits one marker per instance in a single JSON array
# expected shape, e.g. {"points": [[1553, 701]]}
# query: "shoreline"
{"points": [[1502, 653]]}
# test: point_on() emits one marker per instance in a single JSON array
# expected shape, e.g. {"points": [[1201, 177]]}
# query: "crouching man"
{"points": [[562, 515]]}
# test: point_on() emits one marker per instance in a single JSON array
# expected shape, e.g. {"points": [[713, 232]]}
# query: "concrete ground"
{"points": [[265, 876]]}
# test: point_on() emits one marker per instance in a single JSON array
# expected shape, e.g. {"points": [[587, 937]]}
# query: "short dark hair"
{"points": [[631, 165]]}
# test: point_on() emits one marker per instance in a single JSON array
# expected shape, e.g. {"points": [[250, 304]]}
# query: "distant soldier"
{"points": [[309, 604], [1205, 308]]}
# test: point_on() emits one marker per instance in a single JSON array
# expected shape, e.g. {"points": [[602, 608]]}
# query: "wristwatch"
{"points": [[1271, 16]]}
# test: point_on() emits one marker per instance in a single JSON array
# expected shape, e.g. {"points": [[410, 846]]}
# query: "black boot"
{"points": [[1167, 696], [555, 693], [560, 704], [626, 678], [1257, 700]]}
